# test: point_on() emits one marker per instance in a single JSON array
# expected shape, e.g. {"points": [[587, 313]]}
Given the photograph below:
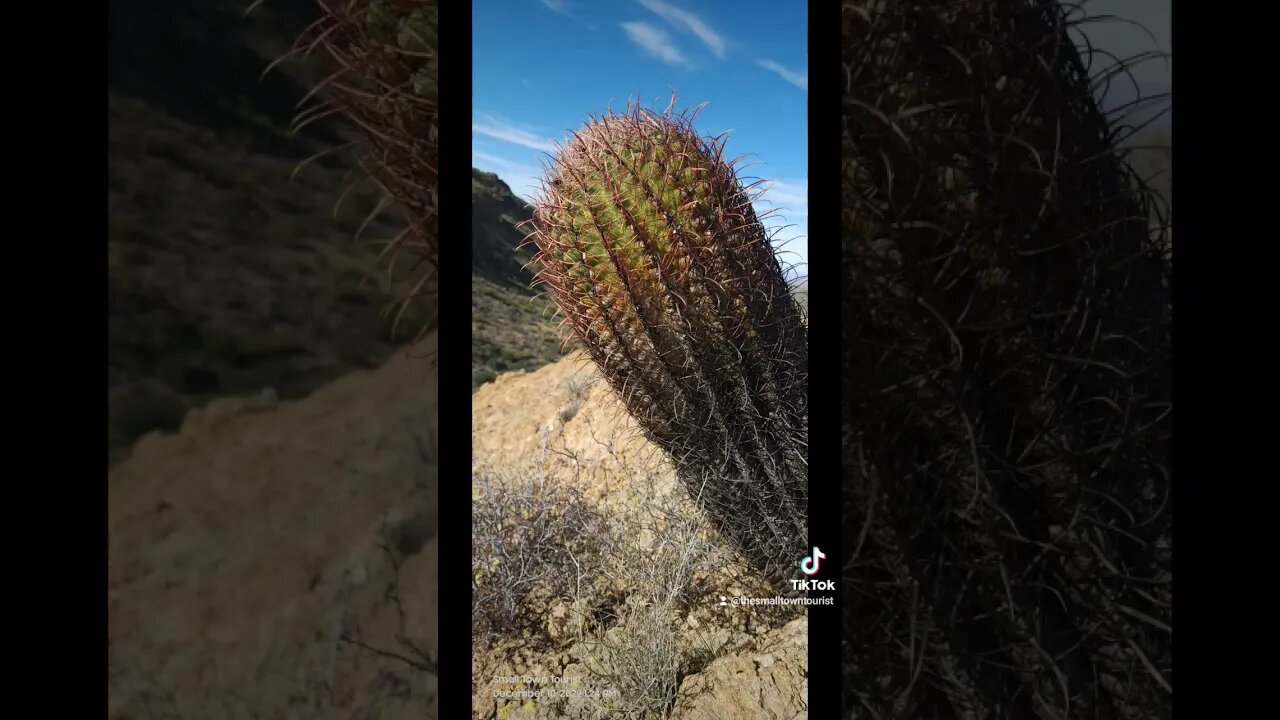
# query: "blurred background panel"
{"points": [[225, 276], [271, 442], [1139, 36]]}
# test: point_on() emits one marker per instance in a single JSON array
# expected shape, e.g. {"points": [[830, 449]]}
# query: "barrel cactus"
{"points": [[648, 244], [381, 75], [1006, 376]]}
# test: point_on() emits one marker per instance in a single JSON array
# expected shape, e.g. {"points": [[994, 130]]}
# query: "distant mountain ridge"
{"points": [[496, 240], [511, 327]]}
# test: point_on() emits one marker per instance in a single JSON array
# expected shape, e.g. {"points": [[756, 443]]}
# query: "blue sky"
{"points": [[542, 66]]}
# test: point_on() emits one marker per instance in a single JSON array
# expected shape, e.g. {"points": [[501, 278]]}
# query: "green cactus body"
{"points": [[649, 245], [1006, 376]]}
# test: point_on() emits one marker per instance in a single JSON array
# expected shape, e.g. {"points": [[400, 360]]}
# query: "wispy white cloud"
{"points": [[790, 196], [654, 41], [799, 79], [510, 132], [523, 178], [561, 7], [689, 22], [784, 209]]}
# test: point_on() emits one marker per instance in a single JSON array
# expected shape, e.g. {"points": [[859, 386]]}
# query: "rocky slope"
{"points": [[251, 554], [753, 660]]}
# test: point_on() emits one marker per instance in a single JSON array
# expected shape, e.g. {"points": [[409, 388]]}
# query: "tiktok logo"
{"points": [[809, 565]]}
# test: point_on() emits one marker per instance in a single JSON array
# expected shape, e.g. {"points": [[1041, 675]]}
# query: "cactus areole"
{"points": [[650, 247]]}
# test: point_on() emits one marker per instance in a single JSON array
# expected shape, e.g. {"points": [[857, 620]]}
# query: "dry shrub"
{"points": [[529, 539], [658, 547], [624, 569], [614, 576]]}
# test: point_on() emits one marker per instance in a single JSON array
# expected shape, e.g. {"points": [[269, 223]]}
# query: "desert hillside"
{"points": [[510, 325]]}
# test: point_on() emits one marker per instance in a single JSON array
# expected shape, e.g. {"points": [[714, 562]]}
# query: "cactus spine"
{"points": [[382, 75], [648, 244], [1006, 376]]}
